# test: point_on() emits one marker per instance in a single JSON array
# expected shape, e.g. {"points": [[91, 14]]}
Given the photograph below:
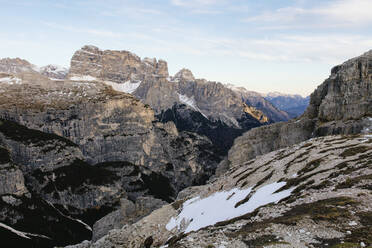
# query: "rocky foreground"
{"points": [[313, 194]]}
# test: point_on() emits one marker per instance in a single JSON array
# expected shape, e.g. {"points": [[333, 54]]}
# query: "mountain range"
{"points": [[116, 152]]}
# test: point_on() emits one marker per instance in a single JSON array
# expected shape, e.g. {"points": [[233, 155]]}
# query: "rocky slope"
{"points": [[313, 194], [341, 105], [310, 188], [294, 105]]}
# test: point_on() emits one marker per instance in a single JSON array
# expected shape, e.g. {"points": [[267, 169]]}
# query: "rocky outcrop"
{"points": [[128, 213], [307, 195], [115, 66], [341, 105], [184, 74], [11, 177]]}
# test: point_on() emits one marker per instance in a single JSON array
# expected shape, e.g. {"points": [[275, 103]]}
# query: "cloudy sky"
{"points": [[273, 45]]}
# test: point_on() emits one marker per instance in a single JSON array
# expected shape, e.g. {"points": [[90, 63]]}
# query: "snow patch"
{"points": [[198, 213], [190, 102], [126, 87], [19, 233], [10, 80], [83, 78]]}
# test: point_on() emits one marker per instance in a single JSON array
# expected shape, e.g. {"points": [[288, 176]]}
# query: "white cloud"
{"points": [[92, 31], [195, 3], [202, 7], [330, 49], [334, 14]]}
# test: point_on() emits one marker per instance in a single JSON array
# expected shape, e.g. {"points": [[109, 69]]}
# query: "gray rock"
{"points": [[127, 214], [341, 105]]}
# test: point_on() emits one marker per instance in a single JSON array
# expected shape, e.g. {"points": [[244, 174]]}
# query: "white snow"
{"points": [[10, 80], [190, 102], [352, 223], [187, 100], [236, 88], [53, 68], [19, 233], [198, 213], [56, 79], [85, 224], [83, 78], [126, 87]]}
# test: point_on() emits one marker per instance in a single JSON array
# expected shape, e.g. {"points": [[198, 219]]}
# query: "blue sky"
{"points": [[268, 45]]}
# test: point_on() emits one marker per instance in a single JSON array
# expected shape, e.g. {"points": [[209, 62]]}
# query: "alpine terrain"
{"points": [[302, 183], [115, 152]]}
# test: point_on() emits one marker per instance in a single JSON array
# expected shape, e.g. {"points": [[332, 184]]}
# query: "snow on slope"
{"points": [[198, 213], [83, 78], [126, 87], [21, 234], [10, 80], [190, 102]]}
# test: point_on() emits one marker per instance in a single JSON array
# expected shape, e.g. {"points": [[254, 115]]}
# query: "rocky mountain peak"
{"points": [[54, 71], [185, 74], [115, 66], [342, 104], [346, 94], [16, 65]]}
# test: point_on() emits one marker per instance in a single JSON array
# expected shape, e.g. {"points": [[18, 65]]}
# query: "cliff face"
{"points": [[341, 105], [77, 148], [105, 124], [148, 80], [312, 194]]}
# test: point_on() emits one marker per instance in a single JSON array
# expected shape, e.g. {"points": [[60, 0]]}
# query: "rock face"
{"points": [[15, 66], [115, 66], [11, 178], [148, 80], [54, 72], [341, 105], [294, 105], [313, 194], [128, 213], [82, 147]]}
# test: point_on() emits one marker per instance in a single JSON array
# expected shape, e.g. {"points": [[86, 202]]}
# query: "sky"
{"points": [[287, 46]]}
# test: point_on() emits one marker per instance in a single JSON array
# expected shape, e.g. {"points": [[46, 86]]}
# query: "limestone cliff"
{"points": [[78, 148], [148, 80], [341, 105]]}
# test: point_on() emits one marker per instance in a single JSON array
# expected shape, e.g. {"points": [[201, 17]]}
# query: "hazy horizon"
{"points": [[273, 46]]}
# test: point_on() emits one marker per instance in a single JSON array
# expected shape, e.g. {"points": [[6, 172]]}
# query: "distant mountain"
{"points": [[294, 105], [255, 99], [148, 80], [54, 72]]}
